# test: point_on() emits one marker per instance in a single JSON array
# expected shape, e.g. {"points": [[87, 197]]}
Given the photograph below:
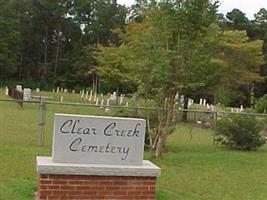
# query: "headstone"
{"points": [[57, 89], [190, 102], [241, 108], [27, 94], [61, 99], [108, 102], [53, 90], [96, 103], [107, 109], [200, 101], [113, 96], [121, 99], [95, 95], [232, 109], [65, 90], [102, 103], [37, 89], [19, 88], [91, 95], [127, 104], [212, 107], [61, 89], [73, 91], [86, 95], [82, 95], [204, 102], [98, 140], [176, 96], [6, 91]]}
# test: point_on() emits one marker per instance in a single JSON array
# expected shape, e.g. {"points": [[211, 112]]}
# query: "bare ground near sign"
{"points": [[192, 167]]}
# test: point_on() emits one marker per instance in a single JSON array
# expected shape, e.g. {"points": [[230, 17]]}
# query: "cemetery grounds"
{"points": [[192, 167]]}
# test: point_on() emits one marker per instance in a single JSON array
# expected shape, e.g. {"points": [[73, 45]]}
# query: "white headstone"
{"points": [[204, 102], [241, 108], [6, 91], [19, 88], [82, 95], [86, 95], [96, 103], [61, 89], [73, 91], [108, 102], [81, 139], [200, 101], [127, 104], [27, 94], [113, 96], [91, 95], [53, 90], [102, 103], [57, 89], [176, 96], [121, 99], [61, 99], [65, 90], [212, 107], [37, 89]]}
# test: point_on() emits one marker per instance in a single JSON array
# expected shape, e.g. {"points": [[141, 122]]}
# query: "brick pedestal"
{"points": [[95, 187], [83, 182]]}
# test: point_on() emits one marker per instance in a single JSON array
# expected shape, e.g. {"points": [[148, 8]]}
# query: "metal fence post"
{"points": [[214, 120], [42, 121]]}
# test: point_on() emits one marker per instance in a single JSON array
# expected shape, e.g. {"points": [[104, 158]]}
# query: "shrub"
{"points": [[261, 105], [240, 132]]}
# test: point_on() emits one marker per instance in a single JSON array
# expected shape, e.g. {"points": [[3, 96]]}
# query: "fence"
{"points": [[35, 113]]}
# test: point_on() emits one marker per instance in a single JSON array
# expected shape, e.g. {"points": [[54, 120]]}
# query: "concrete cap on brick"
{"points": [[45, 165]]}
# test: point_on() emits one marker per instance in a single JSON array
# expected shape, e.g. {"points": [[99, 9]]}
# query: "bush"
{"points": [[240, 132], [261, 105]]}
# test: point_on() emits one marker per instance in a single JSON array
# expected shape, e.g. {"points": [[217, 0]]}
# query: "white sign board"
{"points": [[82, 139]]}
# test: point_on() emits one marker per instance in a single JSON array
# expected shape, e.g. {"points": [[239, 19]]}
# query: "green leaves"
{"points": [[239, 132]]}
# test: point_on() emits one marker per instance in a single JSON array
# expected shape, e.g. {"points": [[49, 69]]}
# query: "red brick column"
{"points": [[81, 187]]}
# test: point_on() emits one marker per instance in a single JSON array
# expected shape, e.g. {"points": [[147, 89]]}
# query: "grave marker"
{"points": [[91, 95], [19, 88], [102, 103], [6, 91], [27, 94]]}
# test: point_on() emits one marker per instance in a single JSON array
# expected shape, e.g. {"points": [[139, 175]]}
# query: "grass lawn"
{"points": [[192, 167]]}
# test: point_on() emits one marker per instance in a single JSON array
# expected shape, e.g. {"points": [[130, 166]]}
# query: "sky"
{"points": [[250, 7]]}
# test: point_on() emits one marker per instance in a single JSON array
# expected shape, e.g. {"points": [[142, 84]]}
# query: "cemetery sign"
{"points": [[81, 139]]}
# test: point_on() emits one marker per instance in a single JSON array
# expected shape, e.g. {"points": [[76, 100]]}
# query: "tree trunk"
{"points": [[158, 148], [46, 45], [57, 56]]}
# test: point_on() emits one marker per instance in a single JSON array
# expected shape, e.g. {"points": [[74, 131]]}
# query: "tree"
{"points": [[168, 52], [237, 20], [9, 39], [239, 62]]}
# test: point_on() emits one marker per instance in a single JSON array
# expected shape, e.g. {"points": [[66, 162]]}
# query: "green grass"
{"points": [[192, 167]]}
